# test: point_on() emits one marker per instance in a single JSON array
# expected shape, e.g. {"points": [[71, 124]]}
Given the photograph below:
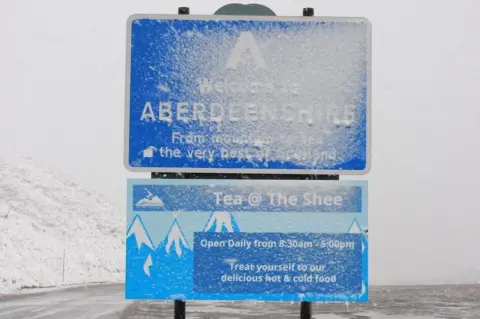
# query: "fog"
{"points": [[62, 77]]}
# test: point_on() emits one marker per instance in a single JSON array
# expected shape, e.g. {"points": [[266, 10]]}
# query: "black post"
{"points": [[179, 307], [305, 310], [308, 12], [183, 10], [306, 306], [179, 310]]}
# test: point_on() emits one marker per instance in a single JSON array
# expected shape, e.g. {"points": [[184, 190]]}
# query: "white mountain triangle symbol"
{"points": [[140, 233], [246, 43], [223, 219], [175, 237]]}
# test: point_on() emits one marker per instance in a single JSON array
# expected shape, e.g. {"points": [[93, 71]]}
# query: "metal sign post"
{"points": [[306, 306], [179, 307]]}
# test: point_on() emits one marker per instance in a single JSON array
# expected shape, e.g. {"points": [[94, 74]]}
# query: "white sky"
{"points": [[62, 67]]}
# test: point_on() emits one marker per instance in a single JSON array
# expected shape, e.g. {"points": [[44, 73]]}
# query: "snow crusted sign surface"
{"points": [[241, 240], [279, 95]]}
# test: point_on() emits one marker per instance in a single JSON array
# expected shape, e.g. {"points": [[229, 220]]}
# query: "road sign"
{"points": [[248, 94], [245, 239]]}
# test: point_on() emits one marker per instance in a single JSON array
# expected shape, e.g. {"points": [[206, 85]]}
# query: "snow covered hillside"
{"points": [[42, 215]]}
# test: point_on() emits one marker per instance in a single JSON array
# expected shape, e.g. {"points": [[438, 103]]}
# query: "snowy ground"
{"points": [[43, 216]]}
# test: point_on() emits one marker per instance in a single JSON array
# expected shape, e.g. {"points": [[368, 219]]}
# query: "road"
{"points": [[107, 302], [93, 302]]}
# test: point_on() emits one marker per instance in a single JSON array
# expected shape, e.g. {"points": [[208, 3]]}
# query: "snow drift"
{"points": [[41, 216]]}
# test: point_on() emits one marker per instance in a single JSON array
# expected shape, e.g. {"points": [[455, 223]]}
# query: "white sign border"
{"points": [[126, 147]]}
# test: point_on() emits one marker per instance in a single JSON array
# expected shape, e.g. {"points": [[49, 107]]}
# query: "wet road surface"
{"points": [[107, 302], [93, 302]]}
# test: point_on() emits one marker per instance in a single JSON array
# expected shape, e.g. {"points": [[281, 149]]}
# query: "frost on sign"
{"points": [[252, 95], [247, 240]]}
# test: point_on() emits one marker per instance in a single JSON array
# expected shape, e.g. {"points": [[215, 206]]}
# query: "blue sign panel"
{"points": [[243, 239], [239, 94]]}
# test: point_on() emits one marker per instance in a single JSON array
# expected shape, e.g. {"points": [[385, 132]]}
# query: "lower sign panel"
{"points": [[276, 242]]}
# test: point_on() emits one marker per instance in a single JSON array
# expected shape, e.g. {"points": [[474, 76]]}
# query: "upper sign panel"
{"points": [[237, 94]]}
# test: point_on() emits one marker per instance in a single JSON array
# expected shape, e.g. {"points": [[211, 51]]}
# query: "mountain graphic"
{"points": [[137, 229], [175, 241], [172, 264], [150, 201], [355, 228], [140, 250], [221, 222]]}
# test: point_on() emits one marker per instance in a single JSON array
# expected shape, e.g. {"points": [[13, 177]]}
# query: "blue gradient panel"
{"points": [[180, 247], [254, 198]]}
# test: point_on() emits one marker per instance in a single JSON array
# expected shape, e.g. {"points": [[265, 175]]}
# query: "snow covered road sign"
{"points": [[248, 94], [246, 239]]}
